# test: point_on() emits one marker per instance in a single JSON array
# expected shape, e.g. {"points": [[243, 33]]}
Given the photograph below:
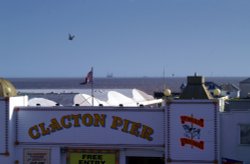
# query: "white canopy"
{"points": [[41, 102], [139, 95], [86, 100], [116, 99]]}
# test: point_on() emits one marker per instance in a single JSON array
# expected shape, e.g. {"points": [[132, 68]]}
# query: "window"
{"points": [[245, 134]]}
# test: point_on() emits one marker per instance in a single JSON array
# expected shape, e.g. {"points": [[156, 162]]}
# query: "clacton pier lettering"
{"points": [[132, 128], [90, 120], [66, 122]]}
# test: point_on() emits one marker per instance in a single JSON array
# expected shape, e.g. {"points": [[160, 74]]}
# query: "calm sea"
{"points": [[146, 84]]}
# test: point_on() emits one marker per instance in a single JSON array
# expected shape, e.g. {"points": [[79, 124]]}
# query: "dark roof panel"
{"points": [[246, 81], [195, 89]]}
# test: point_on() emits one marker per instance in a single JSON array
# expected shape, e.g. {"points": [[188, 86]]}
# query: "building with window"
{"points": [[230, 90], [235, 135], [245, 88]]}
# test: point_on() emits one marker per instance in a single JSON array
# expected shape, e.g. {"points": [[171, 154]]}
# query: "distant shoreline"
{"points": [[146, 84]]}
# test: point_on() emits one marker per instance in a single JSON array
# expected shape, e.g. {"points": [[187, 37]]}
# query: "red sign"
{"points": [[192, 130]]}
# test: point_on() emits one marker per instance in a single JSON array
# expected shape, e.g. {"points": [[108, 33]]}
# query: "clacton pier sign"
{"points": [[91, 120], [43, 126]]}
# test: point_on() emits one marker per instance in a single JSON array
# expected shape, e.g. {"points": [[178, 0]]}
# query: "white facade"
{"points": [[7, 124], [230, 94], [184, 131], [58, 135], [232, 143]]}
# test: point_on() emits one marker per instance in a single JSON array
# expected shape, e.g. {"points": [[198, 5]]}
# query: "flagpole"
{"points": [[92, 86]]}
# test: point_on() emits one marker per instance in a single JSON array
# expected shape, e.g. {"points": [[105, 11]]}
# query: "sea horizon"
{"points": [[146, 84]]}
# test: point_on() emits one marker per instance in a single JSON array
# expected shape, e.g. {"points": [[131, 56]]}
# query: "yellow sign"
{"points": [[92, 158]]}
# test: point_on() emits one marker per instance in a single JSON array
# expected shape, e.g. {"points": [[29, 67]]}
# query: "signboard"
{"points": [[93, 157], [84, 126], [36, 156], [192, 129]]}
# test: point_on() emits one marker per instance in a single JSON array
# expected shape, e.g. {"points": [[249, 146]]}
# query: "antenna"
{"points": [[164, 78]]}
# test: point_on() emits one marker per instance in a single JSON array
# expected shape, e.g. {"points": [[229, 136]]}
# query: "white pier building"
{"points": [[192, 129]]}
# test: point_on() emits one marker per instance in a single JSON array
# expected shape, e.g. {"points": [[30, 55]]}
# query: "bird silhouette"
{"points": [[71, 37]]}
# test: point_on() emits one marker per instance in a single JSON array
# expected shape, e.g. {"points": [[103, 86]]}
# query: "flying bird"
{"points": [[71, 37]]}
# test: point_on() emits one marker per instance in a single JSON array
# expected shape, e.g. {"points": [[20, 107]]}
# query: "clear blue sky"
{"points": [[129, 38]]}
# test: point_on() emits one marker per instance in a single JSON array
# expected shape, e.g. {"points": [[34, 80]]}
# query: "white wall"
{"points": [[230, 135], [4, 104], [192, 131], [7, 105]]}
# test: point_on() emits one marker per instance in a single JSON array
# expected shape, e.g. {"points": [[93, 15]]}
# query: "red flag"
{"points": [[89, 78]]}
